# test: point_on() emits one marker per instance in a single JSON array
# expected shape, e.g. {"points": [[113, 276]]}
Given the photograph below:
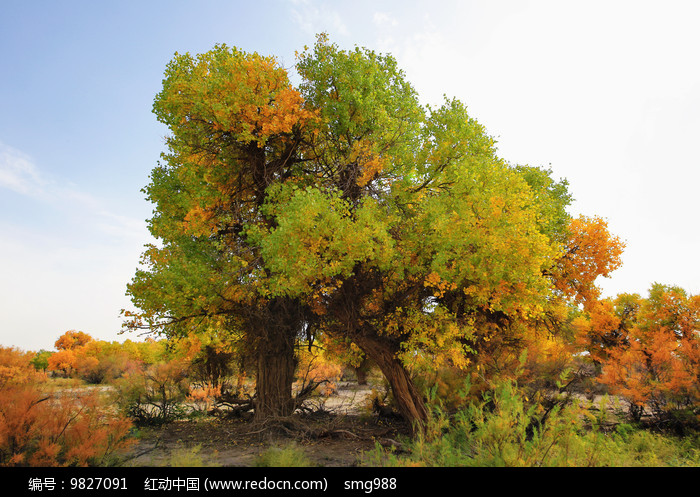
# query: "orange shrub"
{"points": [[16, 367], [154, 394], [204, 396], [314, 367], [655, 362], [42, 429]]}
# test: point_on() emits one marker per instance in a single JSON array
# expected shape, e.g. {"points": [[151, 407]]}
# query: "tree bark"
{"points": [[276, 360], [361, 372], [383, 351], [275, 375]]}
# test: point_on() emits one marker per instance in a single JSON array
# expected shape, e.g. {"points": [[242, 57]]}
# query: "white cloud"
{"points": [[69, 274], [121, 226], [314, 19], [383, 19], [18, 173]]}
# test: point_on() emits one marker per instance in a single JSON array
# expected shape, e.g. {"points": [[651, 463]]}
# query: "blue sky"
{"points": [[606, 93]]}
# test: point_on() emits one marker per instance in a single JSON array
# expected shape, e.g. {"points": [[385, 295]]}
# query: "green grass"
{"points": [[287, 456]]}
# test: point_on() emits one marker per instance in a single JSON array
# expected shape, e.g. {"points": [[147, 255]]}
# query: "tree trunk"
{"points": [[275, 375], [276, 360], [361, 373], [409, 400]]}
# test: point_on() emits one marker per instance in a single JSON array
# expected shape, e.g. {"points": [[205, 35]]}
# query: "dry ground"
{"points": [[335, 434]]}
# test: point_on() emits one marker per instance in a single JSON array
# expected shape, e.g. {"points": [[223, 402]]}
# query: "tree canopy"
{"points": [[344, 207]]}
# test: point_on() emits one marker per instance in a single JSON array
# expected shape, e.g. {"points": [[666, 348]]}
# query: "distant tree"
{"points": [[72, 339], [41, 360], [63, 361], [99, 361], [655, 362]]}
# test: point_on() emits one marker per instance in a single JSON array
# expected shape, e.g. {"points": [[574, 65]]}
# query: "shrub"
{"points": [[503, 430], [288, 456], [154, 394], [203, 397], [187, 457], [40, 429], [316, 370]]}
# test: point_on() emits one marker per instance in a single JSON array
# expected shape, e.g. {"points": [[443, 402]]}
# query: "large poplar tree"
{"points": [[341, 207]]}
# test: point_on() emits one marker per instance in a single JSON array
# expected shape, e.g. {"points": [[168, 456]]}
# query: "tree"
{"points": [[40, 361], [99, 361], [72, 339], [343, 207], [236, 128], [64, 361], [655, 363], [605, 327], [590, 251]]}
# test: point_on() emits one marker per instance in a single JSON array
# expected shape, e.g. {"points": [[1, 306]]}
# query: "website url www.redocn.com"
{"points": [[265, 484]]}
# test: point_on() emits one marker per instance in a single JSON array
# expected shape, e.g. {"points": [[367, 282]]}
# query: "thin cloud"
{"points": [[76, 272], [18, 172], [384, 19], [313, 19]]}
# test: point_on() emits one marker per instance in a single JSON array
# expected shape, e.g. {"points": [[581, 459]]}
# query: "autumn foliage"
{"points": [[649, 351], [343, 211], [72, 339], [590, 251], [39, 427]]}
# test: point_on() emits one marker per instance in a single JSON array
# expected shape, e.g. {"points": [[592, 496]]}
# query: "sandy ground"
{"points": [[336, 433]]}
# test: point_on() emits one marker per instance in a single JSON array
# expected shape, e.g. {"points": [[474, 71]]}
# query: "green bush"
{"points": [[505, 430], [187, 457], [283, 457]]}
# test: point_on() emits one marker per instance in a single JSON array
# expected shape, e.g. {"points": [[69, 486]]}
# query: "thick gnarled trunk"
{"points": [[276, 359], [383, 352], [275, 375]]}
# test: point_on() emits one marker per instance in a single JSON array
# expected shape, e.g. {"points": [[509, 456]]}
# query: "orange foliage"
{"points": [[64, 360], [153, 393], [590, 251], [370, 164], [72, 339], [98, 361], [15, 366], [39, 429], [655, 363], [602, 330], [316, 367], [204, 396]]}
